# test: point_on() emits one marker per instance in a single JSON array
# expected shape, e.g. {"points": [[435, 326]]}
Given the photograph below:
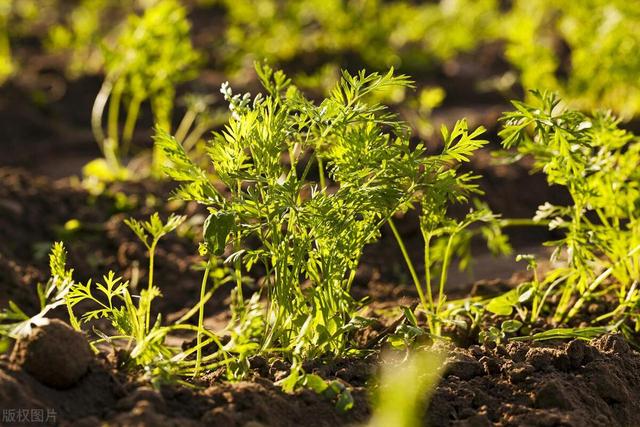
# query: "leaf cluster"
{"points": [[312, 226]]}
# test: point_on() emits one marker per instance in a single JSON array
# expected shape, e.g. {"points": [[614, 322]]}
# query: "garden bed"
{"points": [[520, 383], [309, 254]]}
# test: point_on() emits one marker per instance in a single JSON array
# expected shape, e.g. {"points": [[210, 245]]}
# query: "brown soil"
{"points": [[518, 384]]}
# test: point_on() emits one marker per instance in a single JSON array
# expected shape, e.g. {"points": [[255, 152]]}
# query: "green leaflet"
{"points": [[217, 228]]}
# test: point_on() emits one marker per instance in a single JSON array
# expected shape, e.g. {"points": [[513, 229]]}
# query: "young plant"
{"points": [[128, 314], [15, 323], [446, 238], [150, 232], [308, 235], [152, 55], [597, 163]]}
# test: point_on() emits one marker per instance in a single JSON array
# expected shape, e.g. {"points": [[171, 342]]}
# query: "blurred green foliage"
{"points": [[150, 57], [380, 34], [586, 51], [83, 30]]}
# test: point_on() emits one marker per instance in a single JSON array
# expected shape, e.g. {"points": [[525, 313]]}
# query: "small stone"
{"points": [[55, 354]]}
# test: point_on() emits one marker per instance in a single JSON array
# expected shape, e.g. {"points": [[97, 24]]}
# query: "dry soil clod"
{"points": [[54, 354]]}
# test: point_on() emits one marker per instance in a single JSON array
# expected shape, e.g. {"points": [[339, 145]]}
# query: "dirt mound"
{"points": [[524, 384]]}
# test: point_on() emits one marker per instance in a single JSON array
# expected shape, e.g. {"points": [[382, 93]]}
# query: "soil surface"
{"points": [[517, 384]]}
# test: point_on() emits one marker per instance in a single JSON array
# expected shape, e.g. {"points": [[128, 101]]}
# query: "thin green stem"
{"points": [[185, 124], [203, 291], [321, 174], [113, 116], [597, 282], [427, 268], [522, 222], [98, 110], [152, 253], [443, 274], [195, 135], [130, 124], [237, 266], [409, 263]]}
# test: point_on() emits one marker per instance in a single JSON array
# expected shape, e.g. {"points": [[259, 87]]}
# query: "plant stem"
{"points": [[427, 268], [195, 135], [409, 263], [522, 222], [443, 274], [152, 253], [321, 173], [203, 288], [114, 115], [130, 124], [98, 110], [601, 278], [185, 124]]}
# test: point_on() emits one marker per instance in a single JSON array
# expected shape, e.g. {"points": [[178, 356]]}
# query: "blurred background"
{"points": [[468, 59]]}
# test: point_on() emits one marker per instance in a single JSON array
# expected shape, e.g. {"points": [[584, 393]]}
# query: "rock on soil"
{"points": [[54, 354]]}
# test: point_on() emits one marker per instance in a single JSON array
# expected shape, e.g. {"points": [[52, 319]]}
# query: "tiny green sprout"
{"points": [[444, 237], [15, 323], [499, 335], [150, 232], [130, 314]]}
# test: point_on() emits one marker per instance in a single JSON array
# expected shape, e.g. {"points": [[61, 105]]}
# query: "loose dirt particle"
{"points": [[520, 371], [491, 365], [612, 344]]}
